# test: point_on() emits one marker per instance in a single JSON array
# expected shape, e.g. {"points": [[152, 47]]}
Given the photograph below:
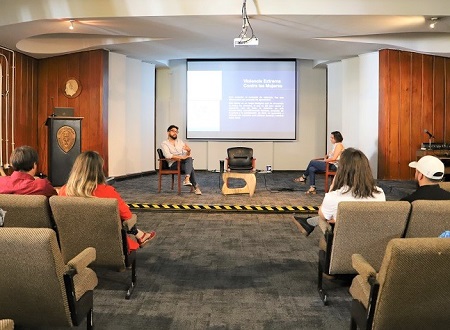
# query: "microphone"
{"points": [[429, 134], [53, 108]]}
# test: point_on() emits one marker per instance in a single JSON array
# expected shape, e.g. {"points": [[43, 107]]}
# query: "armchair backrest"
{"points": [[31, 279], [240, 159], [164, 165], [365, 228], [30, 211], [84, 222], [414, 291], [428, 218]]}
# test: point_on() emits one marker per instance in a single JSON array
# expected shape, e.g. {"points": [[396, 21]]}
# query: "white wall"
{"points": [[131, 116], [353, 95], [288, 155]]}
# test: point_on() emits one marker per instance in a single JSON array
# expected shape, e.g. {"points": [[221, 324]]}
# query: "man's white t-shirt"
{"points": [[331, 200]]}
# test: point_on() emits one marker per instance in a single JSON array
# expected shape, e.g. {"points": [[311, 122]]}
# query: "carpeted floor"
{"points": [[225, 270]]}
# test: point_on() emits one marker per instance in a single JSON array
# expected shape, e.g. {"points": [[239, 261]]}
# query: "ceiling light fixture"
{"points": [[433, 22], [242, 39], [71, 24]]}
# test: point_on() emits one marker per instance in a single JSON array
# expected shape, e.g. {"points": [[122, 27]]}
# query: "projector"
{"points": [[253, 41]]}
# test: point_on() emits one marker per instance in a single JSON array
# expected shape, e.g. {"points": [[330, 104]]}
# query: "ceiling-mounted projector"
{"points": [[253, 41]]}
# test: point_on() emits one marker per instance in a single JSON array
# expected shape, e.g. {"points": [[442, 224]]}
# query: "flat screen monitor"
{"points": [[63, 111], [241, 99]]}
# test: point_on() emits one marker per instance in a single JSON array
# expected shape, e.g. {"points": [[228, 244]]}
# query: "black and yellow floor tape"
{"points": [[240, 208]]}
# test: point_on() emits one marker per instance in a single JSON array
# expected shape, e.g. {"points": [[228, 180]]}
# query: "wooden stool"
{"points": [[250, 183]]}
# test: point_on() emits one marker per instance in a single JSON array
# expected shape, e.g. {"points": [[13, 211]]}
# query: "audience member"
{"points": [[429, 172], [175, 149], [23, 181], [353, 182], [87, 179], [319, 165]]}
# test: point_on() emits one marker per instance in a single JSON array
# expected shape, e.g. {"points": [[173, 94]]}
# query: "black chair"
{"points": [[240, 159]]}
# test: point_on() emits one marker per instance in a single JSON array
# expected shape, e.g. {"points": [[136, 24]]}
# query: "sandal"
{"points": [[300, 179], [147, 237], [311, 190]]}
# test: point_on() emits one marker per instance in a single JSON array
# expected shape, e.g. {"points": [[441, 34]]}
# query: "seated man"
{"points": [[175, 149], [22, 181], [429, 172]]}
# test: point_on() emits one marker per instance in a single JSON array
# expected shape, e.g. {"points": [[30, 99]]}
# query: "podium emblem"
{"points": [[66, 138]]}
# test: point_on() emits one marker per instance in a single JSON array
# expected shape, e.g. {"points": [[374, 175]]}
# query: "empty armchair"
{"points": [[37, 287], [240, 159], [410, 291]]}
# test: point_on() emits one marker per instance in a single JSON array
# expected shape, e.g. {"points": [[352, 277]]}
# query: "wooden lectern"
{"points": [[64, 145]]}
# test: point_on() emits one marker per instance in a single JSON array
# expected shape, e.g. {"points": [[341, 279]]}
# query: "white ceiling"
{"points": [[161, 30]]}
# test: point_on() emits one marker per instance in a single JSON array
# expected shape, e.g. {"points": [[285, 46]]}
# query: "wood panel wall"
{"points": [[414, 96], [91, 70], [19, 125]]}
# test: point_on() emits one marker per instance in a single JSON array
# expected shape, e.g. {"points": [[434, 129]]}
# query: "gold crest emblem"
{"points": [[66, 138]]}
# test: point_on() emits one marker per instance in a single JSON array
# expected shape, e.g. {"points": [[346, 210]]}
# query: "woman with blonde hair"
{"points": [[353, 182], [87, 179]]}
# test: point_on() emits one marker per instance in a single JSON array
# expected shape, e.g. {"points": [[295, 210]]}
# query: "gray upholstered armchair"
{"points": [[37, 287], [84, 222], [410, 291], [30, 211], [361, 227]]}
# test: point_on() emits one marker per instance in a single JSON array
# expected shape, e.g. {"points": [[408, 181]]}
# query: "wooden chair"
{"points": [[95, 222], [37, 288], [361, 227], [410, 291], [428, 218], [328, 173], [30, 211], [164, 169]]}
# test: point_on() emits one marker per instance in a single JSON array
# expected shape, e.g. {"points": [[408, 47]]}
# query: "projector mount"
{"points": [[242, 39]]}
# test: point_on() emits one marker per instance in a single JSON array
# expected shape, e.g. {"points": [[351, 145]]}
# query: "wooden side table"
{"points": [[250, 183]]}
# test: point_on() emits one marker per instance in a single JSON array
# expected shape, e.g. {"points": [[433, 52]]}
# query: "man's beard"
{"points": [[172, 138]]}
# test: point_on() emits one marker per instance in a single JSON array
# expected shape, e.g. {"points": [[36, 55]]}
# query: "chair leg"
{"points": [[159, 182], [133, 280], [172, 180], [179, 184], [90, 320], [322, 293]]}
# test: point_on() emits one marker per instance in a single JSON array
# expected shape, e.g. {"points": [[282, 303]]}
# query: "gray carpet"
{"points": [[225, 270]]}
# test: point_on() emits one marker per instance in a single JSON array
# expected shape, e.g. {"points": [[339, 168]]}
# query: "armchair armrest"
{"points": [[128, 224], [83, 259], [363, 267]]}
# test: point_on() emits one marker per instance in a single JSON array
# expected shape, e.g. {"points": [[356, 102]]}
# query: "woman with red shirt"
{"points": [[87, 179]]}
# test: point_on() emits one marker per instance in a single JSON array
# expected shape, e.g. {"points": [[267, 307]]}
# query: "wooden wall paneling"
{"points": [[438, 99], [428, 95], [53, 73], [25, 105], [405, 152], [383, 115], [417, 134], [447, 102], [394, 115]]}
